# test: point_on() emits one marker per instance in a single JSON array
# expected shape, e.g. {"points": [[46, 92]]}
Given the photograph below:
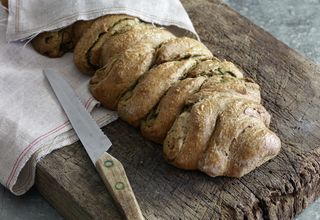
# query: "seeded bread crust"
{"points": [[182, 48], [136, 104], [213, 67], [230, 138], [156, 126], [110, 82], [147, 34], [56, 43], [98, 28]]}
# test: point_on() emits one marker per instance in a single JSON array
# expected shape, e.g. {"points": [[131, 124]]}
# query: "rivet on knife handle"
{"points": [[115, 179]]}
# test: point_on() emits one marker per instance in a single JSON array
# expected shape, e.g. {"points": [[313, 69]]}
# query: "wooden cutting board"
{"points": [[280, 189]]}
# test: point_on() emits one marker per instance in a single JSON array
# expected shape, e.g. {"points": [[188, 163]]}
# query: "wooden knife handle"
{"points": [[115, 178]]}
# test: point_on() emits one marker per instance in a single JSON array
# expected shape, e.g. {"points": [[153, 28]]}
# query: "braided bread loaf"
{"points": [[206, 114]]}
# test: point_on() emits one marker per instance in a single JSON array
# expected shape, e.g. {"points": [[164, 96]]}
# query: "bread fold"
{"points": [[56, 43], [238, 117], [159, 121], [121, 73], [189, 136], [213, 67], [122, 26], [182, 48], [146, 34], [138, 102], [98, 29]]}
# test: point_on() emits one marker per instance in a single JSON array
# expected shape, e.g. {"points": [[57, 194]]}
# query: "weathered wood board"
{"points": [[279, 189]]}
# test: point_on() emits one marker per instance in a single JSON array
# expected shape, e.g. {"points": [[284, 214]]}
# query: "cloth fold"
{"points": [[29, 18], [32, 122]]}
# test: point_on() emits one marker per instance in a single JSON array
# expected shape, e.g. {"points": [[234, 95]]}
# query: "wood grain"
{"points": [[280, 189], [115, 178]]}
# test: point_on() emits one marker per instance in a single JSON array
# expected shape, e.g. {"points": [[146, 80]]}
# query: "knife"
{"points": [[96, 144]]}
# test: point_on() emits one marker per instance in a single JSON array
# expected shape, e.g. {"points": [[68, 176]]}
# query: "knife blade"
{"points": [[96, 143]]}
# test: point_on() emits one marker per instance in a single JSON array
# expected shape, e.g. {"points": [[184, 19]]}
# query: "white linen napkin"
{"points": [[28, 18], [32, 122]]}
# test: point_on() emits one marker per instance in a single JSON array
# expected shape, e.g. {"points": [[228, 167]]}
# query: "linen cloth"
{"points": [[27, 18], [32, 122]]}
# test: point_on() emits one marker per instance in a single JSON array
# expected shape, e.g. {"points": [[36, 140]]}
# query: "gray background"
{"points": [[297, 23]]}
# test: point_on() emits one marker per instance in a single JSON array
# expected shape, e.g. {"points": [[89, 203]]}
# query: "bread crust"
{"points": [[215, 67], [94, 53], [79, 28], [238, 116], [156, 126], [213, 135], [99, 27], [136, 104], [114, 79], [119, 43], [225, 84], [54, 43], [182, 48], [254, 146], [189, 136]]}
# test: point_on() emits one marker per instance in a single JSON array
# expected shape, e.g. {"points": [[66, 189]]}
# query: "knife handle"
{"points": [[115, 178]]}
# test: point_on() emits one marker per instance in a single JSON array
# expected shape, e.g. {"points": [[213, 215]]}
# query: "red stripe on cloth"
{"points": [[37, 140], [29, 170], [89, 102]]}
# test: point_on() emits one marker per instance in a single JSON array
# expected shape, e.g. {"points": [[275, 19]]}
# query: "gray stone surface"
{"points": [[297, 23], [30, 206]]}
